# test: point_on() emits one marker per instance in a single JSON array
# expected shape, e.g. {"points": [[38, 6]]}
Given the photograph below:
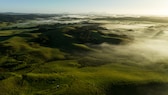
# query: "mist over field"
{"points": [[148, 43], [83, 47], [71, 54]]}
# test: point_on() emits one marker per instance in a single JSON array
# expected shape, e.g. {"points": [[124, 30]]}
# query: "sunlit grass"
{"points": [[66, 60]]}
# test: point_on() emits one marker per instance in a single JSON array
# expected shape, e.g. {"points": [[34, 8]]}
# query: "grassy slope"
{"points": [[39, 63]]}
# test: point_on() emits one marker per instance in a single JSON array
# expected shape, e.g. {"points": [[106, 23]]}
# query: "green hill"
{"points": [[55, 59]]}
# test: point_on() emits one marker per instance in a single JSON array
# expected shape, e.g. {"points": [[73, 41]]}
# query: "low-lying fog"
{"points": [[62, 19], [149, 44]]}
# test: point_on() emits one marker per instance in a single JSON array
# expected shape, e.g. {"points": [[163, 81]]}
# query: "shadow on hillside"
{"points": [[153, 88], [65, 36]]}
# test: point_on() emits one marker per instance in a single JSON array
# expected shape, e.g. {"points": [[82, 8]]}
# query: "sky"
{"points": [[149, 7]]}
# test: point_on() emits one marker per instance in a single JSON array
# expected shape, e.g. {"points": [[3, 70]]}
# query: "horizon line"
{"points": [[86, 13]]}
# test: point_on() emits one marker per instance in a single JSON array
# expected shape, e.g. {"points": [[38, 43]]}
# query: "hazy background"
{"points": [[147, 7]]}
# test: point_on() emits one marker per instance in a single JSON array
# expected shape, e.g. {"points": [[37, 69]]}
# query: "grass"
{"points": [[53, 60], [5, 24], [98, 79], [83, 47], [73, 80]]}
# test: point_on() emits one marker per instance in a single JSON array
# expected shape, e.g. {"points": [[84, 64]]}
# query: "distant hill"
{"points": [[13, 17]]}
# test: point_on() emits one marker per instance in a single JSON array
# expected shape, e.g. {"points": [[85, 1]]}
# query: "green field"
{"points": [[85, 58]]}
